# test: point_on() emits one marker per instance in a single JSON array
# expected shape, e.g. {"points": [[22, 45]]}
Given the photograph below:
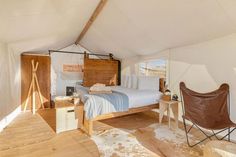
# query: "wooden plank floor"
{"points": [[31, 136], [71, 144], [24, 130]]}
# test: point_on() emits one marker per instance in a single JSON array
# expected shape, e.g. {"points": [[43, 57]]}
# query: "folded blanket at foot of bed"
{"points": [[98, 87], [99, 104]]}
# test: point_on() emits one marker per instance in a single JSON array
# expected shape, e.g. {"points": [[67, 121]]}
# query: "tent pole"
{"points": [[96, 12]]}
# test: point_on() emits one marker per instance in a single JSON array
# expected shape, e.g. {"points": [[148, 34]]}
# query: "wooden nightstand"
{"points": [[66, 118], [166, 106]]}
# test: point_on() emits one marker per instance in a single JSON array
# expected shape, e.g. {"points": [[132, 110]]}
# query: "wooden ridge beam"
{"points": [[91, 20]]}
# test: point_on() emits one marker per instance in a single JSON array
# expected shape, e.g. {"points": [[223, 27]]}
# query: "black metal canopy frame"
{"points": [[86, 55], [82, 53]]}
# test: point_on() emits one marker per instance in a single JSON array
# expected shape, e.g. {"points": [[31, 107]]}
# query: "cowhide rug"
{"points": [[117, 142]]}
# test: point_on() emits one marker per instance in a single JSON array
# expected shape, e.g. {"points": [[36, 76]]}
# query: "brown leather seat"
{"points": [[207, 110]]}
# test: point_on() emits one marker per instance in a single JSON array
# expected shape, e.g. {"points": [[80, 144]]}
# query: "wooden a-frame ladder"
{"points": [[31, 92]]}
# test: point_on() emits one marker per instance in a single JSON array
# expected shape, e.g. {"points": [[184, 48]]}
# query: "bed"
{"points": [[122, 101]]}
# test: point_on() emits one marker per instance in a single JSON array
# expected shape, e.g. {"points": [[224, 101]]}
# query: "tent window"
{"points": [[153, 68]]}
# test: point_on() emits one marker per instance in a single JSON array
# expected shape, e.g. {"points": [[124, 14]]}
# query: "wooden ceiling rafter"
{"points": [[95, 14]]}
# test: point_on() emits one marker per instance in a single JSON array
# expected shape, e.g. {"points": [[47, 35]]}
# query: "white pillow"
{"points": [[129, 84], [123, 81], [126, 81], [134, 82], [148, 82]]}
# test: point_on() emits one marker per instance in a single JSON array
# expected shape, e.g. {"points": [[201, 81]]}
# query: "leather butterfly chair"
{"points": [[207, 111]]}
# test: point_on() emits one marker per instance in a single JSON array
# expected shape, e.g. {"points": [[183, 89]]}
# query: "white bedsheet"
{"points": [[139, 98]]}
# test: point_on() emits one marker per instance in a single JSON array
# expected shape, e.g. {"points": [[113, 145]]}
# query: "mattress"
{"points": [[139, 98], [121, 99]]}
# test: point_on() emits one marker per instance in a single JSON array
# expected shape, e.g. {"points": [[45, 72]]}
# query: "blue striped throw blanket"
{"points": [[98, 104]]}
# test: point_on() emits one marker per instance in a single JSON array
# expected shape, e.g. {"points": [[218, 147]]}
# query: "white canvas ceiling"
{"points": [[124, 27], [138, 27], [37, 25]]}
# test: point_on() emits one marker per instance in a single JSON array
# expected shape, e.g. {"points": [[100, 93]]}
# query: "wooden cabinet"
{"points": [[43, 75]]}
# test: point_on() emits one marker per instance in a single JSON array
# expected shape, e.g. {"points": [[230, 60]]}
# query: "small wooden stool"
{"points": [[219, 149], [167, 105]]}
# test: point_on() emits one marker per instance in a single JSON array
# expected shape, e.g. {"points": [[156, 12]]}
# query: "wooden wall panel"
{"points": [[100, 71], [44, 78]]}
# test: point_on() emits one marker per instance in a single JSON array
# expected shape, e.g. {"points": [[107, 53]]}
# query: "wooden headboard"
{"points": [[104, 71]]}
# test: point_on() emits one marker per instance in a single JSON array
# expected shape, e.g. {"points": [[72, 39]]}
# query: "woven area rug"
{"points": [[131, 143]]}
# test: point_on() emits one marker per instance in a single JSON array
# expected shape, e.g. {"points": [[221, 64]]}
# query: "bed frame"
{"points": [[87, 125]]}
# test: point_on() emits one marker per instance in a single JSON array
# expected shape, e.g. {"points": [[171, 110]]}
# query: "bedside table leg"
{"points": [[162, 109], [174, 108], [168, 115]]}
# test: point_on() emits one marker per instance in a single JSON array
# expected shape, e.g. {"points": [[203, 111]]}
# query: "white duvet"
{"points": [[139, 98]]}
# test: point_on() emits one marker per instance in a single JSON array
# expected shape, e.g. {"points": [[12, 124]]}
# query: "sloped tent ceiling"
{"points": [[139, 27], [39, 25], [124, 27]]}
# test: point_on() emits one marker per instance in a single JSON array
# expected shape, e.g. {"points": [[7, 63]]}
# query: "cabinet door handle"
{"points": [[70, 111]]}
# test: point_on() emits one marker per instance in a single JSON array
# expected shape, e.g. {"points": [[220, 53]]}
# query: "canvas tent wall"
{"points": [[127, 28], [203, 66], [60, 78], [33, 26]]}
